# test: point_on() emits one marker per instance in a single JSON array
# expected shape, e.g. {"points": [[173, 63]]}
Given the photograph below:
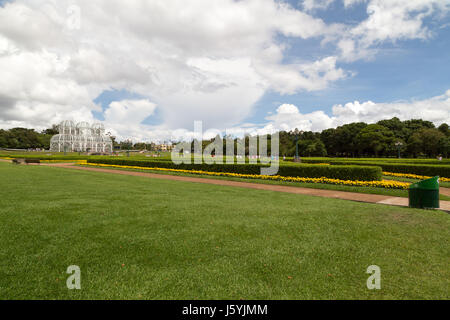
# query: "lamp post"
{"points": [[297, 140], [399, 145]]}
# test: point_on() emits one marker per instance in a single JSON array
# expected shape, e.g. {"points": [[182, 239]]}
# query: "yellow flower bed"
{"points": [[412, 176], [388, 184], [62, 161], [52, 161]]}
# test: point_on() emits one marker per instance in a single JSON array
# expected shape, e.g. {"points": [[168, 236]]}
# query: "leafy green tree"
{"points": [[51, 131], [444, 146], [418, 124], [287, 147], [3, 138], [44, 140], [430, 142], [346, 142], [140, 146], [444, 128], [398, 127], [312, 148], [375, 138], [414, 145], [126, 145], [22, 138], [328, 137]]}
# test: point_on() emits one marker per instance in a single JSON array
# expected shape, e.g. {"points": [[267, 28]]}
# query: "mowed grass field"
{"points": [[141, 238]]}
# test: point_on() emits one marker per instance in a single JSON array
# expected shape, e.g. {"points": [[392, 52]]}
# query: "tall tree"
{"points": [[346, 138], [375, 138], [444, 129]]}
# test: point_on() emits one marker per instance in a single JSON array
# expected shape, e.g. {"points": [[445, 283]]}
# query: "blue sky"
{"points": [[404, 70], [149, 69], [411, 69]]}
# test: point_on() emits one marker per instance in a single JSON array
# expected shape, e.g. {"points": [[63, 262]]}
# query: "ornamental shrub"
{"points": [[362, 173]]}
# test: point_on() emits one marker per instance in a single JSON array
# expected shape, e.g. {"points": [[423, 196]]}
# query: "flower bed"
{"points": [[423, 169], [388, 184], [62, 161], [363, 173], [412, 176]]}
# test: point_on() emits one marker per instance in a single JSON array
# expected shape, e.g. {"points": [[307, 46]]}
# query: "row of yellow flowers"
{"points": [[389, 184], [52, 161], [62, 161], [412, 176]]}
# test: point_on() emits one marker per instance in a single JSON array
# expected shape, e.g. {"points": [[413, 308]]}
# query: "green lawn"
{"points": [[370, 190], [140, 238]]}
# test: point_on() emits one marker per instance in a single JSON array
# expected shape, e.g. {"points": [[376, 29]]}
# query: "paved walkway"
{"points": [[444, 191], [361, 197]]}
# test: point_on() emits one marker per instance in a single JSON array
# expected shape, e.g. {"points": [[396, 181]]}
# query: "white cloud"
{"points": [[287, 109], [349, 3], [202, 61], [129, 112], [389, 21], [34, 92], [289, 117], [311, 5], [286, 79], [436, 109]]}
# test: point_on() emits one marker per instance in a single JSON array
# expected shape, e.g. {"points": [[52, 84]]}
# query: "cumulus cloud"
{"points": [[389, 21], [288, 116], [34, 92], [203, 60], [285, 79], [310, 5], [435, 109], [349, 3]]}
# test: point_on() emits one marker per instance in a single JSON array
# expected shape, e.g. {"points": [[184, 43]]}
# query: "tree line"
{"points": [[413, 138], [386, 138], [23, 138]]}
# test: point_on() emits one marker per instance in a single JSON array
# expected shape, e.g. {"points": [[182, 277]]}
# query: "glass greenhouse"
{"points": [[81, 137]]}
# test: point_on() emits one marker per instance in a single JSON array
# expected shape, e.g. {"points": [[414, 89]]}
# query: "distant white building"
{"points": [[164, 147], [81, 137]]}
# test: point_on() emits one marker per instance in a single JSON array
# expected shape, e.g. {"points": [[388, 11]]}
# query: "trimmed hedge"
{"points": [[362, 173], [32, 161], [44, 157], [420, 169], [363, 161], [442, 170], [81, 157], [425, 167]]}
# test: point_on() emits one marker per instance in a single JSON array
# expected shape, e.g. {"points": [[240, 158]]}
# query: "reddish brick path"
{"points": [[361, 197], [444, 191]]}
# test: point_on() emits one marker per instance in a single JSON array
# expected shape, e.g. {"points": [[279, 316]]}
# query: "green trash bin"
{"points": [[424, 194]]}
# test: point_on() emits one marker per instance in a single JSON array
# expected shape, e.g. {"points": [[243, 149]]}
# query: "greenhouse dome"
{"points": [[81, 138]]}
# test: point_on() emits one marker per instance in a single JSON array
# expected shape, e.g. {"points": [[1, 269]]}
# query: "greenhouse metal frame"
{"points": [[81, 137]]}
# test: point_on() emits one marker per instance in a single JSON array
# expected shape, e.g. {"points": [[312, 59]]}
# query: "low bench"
{"points": [[26, 161], [18, 161]]}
